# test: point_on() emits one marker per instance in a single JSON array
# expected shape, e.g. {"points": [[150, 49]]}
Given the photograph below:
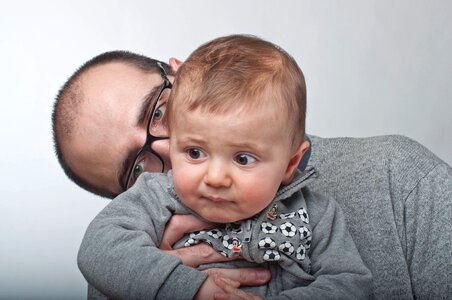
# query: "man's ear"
{"points": [[175, 64], [294, 161]]}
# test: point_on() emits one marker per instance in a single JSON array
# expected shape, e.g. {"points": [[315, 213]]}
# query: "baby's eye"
{"points": [[244, 159], [195, 153]]}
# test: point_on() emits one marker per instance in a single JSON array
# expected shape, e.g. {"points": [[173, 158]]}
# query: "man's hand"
{"points": [[231, 291], [219, 288], [203, 254], [178, 226], [243, 276], [192, 256], [209, 289]]}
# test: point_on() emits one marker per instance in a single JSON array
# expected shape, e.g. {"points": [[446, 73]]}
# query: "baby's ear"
{"points": [[294, 162], [175, 64]]}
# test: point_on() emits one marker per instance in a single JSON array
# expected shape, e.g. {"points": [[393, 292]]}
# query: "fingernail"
{"points": [[262, 274], [219, 296]]}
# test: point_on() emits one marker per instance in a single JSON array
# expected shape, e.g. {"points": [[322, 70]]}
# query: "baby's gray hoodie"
{"points": [[120, 256]]}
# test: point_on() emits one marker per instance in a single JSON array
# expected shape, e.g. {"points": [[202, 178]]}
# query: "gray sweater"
{"points": [[396, 197], [323, 264]]}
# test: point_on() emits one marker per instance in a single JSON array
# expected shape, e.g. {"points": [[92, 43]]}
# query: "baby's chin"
{"points": [[220, 220], [223, 217]]}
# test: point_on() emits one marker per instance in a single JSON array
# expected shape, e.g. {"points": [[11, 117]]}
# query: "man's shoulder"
{"points": [[394, 145], [393, 152], [354, 165]]}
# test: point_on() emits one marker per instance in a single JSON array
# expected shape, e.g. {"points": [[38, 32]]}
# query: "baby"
{"points": [[236, 121]]}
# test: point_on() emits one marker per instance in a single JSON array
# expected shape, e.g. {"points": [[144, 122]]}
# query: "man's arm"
{"points": [[428, 215], [119, 254], [120, 258]]}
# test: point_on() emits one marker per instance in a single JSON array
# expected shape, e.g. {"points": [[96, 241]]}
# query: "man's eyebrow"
{"points": [[146, 102], [124, 168]]}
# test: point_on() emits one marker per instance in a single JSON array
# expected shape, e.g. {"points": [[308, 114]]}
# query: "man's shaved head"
{"points": [[68, 105]]}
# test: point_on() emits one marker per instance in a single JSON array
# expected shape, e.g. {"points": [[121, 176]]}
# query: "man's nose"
{"points": [[217, 175], [158, 129], [162, 149]]}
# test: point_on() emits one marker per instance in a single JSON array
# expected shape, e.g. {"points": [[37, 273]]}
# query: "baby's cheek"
{"points": [[182, 185], [258, 198]]}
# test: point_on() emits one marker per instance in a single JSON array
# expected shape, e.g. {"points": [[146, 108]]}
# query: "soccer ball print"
{"points": [[267, 243], [215, 233], [301, 253], [286, 248], [287, 215], [228, 242], [303, 215], [304, 232], [190, 242], [308, 242], [195, 233], [288, 229], [271, 255], [268, 228]]}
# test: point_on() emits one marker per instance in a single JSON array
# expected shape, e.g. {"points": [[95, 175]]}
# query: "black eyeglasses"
{"points": [[147, 159]]}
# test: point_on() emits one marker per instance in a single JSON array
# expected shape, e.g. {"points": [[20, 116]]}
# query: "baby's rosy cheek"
{"points": [[182, 185], [258, 198]]}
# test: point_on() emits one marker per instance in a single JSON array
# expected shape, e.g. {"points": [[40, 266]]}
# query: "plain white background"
{"points": [[372, 68]]}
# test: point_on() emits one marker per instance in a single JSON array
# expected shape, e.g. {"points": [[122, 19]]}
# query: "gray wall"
{"points": [[372, 68]]}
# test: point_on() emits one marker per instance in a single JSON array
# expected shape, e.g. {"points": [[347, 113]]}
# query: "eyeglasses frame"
{"points": [[149, 137]]}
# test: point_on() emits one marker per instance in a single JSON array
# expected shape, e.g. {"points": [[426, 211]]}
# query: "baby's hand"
{"points": [[231, 291]]}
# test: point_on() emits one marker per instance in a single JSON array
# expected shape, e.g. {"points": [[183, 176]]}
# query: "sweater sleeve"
{"points": [[428, 215], [119, 254], [337, 268]]}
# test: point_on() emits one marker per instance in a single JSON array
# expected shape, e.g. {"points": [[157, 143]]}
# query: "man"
{"points": [[395, 193], [99, 123]]}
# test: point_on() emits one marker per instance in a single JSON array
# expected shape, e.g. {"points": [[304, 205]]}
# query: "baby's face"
{"points": [[228, 167]]}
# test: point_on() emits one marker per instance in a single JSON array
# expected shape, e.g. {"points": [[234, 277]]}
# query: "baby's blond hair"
{"points": [[241, 71]]}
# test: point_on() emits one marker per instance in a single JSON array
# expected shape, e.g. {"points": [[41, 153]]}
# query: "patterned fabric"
{"points": [[281, 231]]}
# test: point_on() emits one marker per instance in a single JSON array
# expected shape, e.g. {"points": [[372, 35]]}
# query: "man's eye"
{"points": [[195, 153], [159, 113], [137, 170], [244, 159], [156, 127]]}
